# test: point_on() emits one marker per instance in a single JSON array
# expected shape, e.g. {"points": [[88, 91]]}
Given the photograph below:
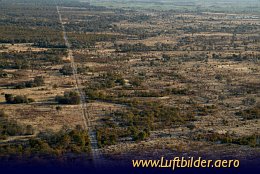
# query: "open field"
{"points": [[180, 5]]}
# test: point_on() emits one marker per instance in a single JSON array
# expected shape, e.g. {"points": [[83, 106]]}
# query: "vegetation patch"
{"points": [[17, 99], [69, 97]]}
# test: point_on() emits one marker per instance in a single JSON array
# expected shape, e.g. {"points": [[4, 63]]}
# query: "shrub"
{"points": [[219, 77], [96, 94], [38, 81], [55, 86], [250, 140], [249, 114], [106, 136], [29, 130], [66, 70], [3, 74], [166, 57], [136, 82], [2, 113], [20, 99], [11, 99], [140, 136], [12, 128], [69, 97], [58, 108]]}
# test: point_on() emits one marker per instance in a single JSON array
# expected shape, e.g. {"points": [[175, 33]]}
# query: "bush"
{"points": [[250, 140], [20, 99], [12, 128], [219, 77], [63, 142], [140, 136], [29, 130], [96, 95], [3, 74], [66, 70], [2, 113], [176, 91], [38, 81], [166, 57], [250, 114], [107, 136], [136, 82], [11, 99], [69, 97]]}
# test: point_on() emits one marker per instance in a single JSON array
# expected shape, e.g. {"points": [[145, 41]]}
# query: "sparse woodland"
{"points": [[147, 76]]}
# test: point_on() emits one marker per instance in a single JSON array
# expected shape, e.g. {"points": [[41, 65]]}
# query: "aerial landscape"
{"points": [[110, 81]]}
